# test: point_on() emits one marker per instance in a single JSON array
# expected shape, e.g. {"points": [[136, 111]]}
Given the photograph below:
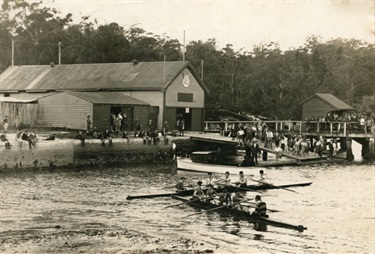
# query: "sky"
{"points": [[242, 23]]}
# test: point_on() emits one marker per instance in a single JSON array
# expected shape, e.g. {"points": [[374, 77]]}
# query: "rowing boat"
{"points": [[204, 162], [230, 188], [257, 220]]}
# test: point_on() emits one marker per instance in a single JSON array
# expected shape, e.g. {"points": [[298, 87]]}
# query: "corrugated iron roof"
{"points": [[330, 99], [107, 76], [108, 98], [11, 99]]}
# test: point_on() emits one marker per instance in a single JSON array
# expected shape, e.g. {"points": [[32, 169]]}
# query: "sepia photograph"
{"points": [[187, 126]]}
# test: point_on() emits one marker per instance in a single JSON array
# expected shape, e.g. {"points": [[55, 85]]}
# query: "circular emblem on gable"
{"points": [[186, 80]]}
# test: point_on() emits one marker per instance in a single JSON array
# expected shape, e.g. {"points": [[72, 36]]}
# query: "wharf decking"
{"points": [[307, 128], [288, 158]]}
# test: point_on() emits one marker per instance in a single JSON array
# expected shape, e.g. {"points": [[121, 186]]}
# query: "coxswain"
{"points": [[180, 186], [242, 182], [210, 179], [225, 198], [260, 207], [210, 193], [198, 191]]}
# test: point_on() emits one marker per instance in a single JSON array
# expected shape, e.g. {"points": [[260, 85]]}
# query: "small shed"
{"points": [[70, 109], [19, 112], [320, 104]]}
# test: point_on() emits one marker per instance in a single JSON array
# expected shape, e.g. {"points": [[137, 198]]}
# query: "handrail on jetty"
{"points": [[337, 129]]}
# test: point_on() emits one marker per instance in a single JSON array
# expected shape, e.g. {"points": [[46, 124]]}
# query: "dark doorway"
{"points": [[127, 113], [114, 112], [184, 113]]}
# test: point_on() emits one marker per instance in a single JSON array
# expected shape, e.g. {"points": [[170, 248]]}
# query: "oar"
{"points": [[209, 210], [217, 208], [271, 210], [186, 202], [272, 185]]}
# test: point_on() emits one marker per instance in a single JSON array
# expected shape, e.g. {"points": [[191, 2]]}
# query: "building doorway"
{"points": [[184, 114], [114, 112]]}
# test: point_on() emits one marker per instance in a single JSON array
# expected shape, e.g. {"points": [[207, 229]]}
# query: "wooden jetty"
{"points": [[345, 131]]}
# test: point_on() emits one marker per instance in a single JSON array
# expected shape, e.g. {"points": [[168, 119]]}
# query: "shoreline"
{"points": [[67, 152]]}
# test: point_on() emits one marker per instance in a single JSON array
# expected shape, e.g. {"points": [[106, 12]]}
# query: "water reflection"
{"points": [[95, 199]]}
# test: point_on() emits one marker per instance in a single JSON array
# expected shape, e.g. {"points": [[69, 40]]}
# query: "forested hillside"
{"points": [[265, 81]]}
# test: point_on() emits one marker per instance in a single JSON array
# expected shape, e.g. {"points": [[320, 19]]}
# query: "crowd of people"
{"points": [[119, 124], [250, 135], [355, 122], [215, 191]]}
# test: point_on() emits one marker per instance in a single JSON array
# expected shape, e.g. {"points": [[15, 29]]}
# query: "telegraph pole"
{"points": [[12, 52], [183, 48], [59, 53]]}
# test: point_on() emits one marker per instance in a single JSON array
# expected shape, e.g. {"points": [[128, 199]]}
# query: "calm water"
{"points": [[338, 208]]}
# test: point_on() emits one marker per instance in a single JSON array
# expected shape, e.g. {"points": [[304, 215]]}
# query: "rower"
{"points": [[224, 198], [260, 207], [237, 199], [210, 180], [242, 181], [210, 193], [224, 181], [180, 186], [198, 191]]}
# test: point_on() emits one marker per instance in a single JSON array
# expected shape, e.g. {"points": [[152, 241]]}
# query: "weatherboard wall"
{"points": [[193, 90], [19, 114], [63, 110], [154, 98], [315, 107]]}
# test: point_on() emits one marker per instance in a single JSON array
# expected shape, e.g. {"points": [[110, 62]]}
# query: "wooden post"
{"points": [[349, 151], [345, 129], [365, 152], [300, 127], [331, 126]]}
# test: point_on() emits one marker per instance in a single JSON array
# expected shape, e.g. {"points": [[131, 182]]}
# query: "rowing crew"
{"points": [[225, 199], [226, 181]]}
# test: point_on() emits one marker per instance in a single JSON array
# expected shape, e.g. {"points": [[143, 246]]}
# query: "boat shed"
{"points": [[170, 90], [320, 104], [70, 109]]}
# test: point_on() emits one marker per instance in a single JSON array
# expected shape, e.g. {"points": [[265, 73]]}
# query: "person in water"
{"points": [[263, 176]]}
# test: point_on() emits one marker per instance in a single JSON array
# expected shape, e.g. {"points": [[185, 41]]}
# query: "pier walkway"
{"points": [[307, 128], [288, 158]]}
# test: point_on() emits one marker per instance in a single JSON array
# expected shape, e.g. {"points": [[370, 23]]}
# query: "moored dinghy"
{"points": [[206, 162]]}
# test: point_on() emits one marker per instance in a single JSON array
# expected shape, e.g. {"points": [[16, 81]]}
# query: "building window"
{"points": [[185, 97], [6, 94]]}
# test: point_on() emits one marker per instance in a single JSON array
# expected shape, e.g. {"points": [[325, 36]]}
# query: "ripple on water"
{"points": [[96, 199]]}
